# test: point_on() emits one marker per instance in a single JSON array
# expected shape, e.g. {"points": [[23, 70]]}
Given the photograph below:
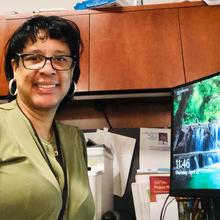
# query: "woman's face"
{"points": [[44, 88]]}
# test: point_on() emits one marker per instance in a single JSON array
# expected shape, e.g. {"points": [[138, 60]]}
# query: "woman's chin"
{"points": [[47, 104]]}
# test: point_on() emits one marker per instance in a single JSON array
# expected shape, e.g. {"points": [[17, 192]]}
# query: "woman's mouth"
{"points": [[46, 88], [51, 86]]}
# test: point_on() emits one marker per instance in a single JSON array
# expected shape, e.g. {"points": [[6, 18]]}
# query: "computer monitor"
{"points": [[195, 138]]}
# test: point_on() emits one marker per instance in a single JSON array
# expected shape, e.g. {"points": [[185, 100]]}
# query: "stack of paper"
{"points": [[150, 192]]}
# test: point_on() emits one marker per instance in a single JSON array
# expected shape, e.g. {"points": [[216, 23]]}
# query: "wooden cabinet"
{"points": [[82, 21], [200, 31], [139, 47], [135, 50]]}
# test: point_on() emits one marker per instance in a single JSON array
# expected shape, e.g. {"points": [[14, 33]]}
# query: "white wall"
{"points": [[34, 5]]}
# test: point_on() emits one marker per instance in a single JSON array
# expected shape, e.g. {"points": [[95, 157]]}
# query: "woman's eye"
{"points": [[60, 58], [34, 58]]}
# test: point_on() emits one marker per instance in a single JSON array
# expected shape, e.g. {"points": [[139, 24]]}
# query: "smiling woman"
{"points": [[46, 159]]}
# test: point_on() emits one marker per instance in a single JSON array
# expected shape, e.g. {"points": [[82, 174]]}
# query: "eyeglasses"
{"points": [[37, 61]]}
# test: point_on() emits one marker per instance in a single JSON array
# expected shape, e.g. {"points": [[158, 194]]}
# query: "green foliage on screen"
{"points": [[203, 103]]}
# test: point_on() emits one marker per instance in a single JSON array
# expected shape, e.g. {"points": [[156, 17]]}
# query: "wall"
{"points": [[132, 113], [29, 6]]}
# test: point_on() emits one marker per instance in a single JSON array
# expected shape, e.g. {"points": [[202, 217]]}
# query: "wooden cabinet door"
{"points": [[200, 30], [9, 28], [135, 50], [81, 20]]}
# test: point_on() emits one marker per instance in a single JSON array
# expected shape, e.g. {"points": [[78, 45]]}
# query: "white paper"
{"points": [[156, 207], [122, 148], [141, 200], [146, 210], [154, 149], [155, 138]]}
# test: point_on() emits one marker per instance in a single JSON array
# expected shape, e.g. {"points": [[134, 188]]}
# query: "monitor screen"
{"points": [[195, 138]]}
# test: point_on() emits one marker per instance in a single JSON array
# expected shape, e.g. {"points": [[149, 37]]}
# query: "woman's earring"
{"points": [[72, 90], [12, 88]]}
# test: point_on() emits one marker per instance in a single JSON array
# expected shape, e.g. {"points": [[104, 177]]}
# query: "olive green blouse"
{"points": [[28, 188]]}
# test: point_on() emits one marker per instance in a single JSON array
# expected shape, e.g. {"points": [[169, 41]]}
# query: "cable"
{"points": [[106, 118], [100, 107], [162, 210], [165, 209]]}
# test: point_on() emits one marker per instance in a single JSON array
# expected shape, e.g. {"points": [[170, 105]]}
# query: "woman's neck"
{"points": [[42, 120], [43, 127]]}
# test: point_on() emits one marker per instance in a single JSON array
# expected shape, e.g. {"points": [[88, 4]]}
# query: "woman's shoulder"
{"points": [[9, 148], [7, 106], [68, 130], [5, 110]]}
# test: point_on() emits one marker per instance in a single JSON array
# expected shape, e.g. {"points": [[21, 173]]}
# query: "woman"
{"points": [[43, 164]]}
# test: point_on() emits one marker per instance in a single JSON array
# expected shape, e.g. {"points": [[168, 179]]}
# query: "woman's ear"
{"points": [[14, 65]]}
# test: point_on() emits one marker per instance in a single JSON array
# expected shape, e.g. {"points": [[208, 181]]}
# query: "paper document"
{"points": [[155, 138], [156, 207], [141, 201], [154, 148], [149, 194], [122, 148]]}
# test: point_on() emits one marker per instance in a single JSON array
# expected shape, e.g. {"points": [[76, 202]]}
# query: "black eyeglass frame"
{"points": [[45, 60]]}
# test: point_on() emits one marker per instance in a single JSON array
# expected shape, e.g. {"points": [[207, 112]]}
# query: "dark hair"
{"points": [[53, 27]]}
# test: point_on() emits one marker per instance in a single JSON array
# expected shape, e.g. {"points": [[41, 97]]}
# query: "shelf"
{"points": [[122, 94]]}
